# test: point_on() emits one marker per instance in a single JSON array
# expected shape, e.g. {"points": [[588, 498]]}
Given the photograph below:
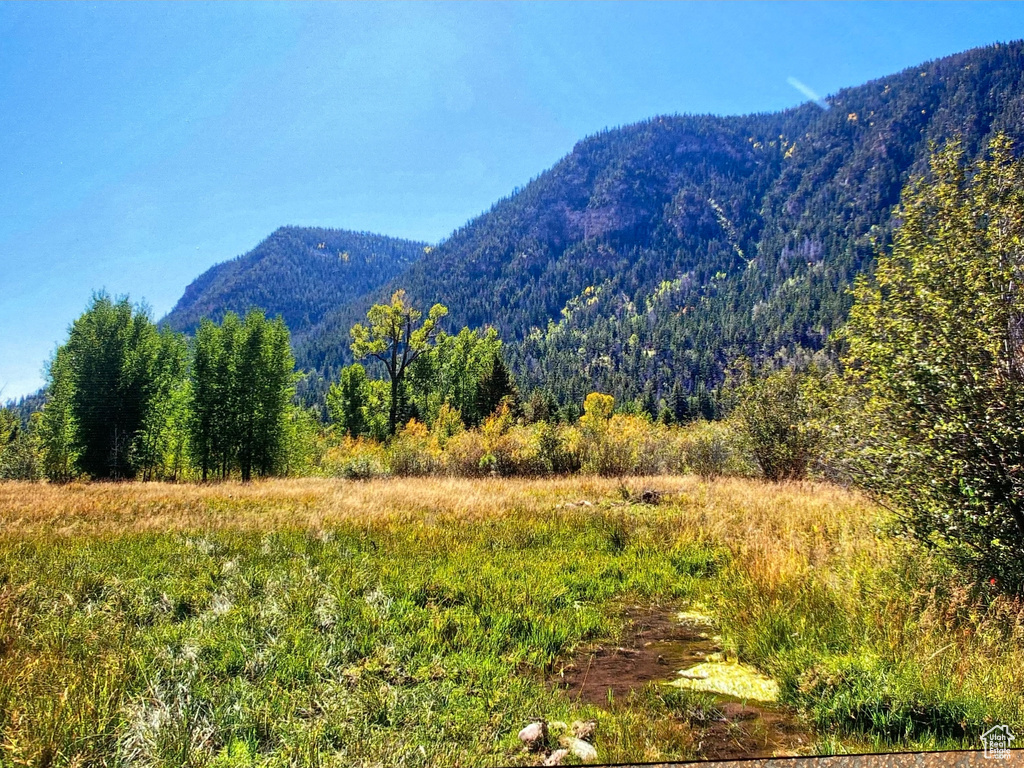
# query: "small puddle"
{"points": [[684, 650]]}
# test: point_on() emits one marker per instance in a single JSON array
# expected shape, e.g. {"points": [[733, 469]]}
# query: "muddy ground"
{"points": [[655, 648]]}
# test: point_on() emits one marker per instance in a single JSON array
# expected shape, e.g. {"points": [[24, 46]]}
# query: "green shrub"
{"points": [[778, 417], [20, 455], [464, 453], [714, 448], [413, 451], [356, 459], [936, 349]]}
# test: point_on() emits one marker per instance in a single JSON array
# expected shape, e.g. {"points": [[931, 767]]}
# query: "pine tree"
{"points": [[494, 387]]}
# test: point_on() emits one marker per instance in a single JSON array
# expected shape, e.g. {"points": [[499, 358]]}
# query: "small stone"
{"points": [[583, 750], [557, 757], [534, 736], [584, 729]]}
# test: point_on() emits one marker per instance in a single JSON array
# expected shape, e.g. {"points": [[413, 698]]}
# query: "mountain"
{"points": [[301, 273], [653, 254]]}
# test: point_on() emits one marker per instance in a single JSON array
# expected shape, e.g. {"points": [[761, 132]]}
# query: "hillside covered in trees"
{"points": [[300, 273], [654, 254]]}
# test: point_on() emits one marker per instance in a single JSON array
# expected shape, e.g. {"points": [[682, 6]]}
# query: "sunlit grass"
{"points": [[419, 621]]}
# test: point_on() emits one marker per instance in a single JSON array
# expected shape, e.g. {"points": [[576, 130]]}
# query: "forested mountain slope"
{"points": [[300, 273], [651, 255]]}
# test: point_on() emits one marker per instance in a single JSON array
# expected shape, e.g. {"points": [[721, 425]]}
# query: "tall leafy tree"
{"points": [[204, 397], [778, 414], [163, 428], [396, 337], [936, 342], [57, 427], [451, 373], [241, 383], [347, 400], [264, 386], [106, 381]]}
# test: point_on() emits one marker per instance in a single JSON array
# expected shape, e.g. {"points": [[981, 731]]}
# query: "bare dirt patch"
{"points": [[656, 647]]}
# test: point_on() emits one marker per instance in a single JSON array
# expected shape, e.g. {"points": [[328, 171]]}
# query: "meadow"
{"points": [[425, 621]]}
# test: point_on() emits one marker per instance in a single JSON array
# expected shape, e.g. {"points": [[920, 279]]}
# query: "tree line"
{"points": [[127, 400], [426, 371]]}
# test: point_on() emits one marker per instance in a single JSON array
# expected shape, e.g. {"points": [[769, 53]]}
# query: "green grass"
{"points": [[899, 657], [405, 644], [421, 622]]}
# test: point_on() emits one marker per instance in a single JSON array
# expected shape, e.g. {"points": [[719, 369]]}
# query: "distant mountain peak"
{"points": [[301, 273]]}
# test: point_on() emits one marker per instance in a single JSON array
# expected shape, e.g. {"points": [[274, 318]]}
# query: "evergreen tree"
{"points": [[494, 387]]}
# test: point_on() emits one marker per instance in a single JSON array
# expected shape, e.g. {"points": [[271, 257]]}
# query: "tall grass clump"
{"points": [[871, 636]]}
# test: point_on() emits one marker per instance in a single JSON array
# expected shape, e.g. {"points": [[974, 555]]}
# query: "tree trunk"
{"points": [[393, 410]]}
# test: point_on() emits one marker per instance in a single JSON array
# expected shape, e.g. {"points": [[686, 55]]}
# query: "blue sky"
{"points": [[142, 143]]}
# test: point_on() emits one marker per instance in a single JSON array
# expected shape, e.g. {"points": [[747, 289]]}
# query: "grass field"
{"points": [[425, 621]]}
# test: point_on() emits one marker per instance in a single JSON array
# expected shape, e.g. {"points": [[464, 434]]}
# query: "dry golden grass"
{"points": [[754, 517]]}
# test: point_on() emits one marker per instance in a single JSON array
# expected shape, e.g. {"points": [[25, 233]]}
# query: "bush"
{"points": [[621, 444], [553, 448], [19, 459], [447, 424], [936, 348], [714, 448], [631, 445], [778, 417], [464, 453], [413, 451], [356, 459], [20, 452]]}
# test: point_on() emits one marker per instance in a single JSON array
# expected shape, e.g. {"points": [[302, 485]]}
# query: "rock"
{"points": [[557, 727], [557, 757], [582, 749], [584, 729], [534, 736]]}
